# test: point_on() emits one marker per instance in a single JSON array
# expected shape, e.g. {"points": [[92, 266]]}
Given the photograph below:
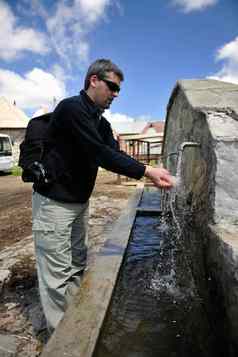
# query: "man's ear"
{"points": [[93, 80]]}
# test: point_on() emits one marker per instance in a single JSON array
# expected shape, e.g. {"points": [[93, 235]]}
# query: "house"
{"points": [[13, 122], [41, 111], [156, 127], [141, 140]]}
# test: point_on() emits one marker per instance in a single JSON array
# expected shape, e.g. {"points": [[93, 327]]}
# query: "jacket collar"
{"points": [[93, 109]]}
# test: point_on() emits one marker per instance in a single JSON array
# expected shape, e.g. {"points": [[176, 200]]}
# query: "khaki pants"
{"points": [[60, 237]]}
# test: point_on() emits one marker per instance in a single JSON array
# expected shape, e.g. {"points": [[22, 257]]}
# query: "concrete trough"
{"points": [[140, 297]]}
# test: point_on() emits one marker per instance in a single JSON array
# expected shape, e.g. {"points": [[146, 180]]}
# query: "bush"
{"points": [[16, 171]]}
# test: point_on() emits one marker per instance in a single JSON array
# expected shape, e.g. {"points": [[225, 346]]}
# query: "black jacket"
{"points": [[79, 140]]}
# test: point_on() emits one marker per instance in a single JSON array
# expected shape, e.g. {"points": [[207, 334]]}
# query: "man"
{"points": [[79, 140]]}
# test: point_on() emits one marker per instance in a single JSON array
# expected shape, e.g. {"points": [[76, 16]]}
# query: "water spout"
{"points": [[180, 155], [169, 198]]}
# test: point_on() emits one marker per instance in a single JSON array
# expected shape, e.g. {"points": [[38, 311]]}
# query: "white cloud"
{"points": [[92, 10], [16, 39], [59, 73], [229, 51], [229, 55], [194, 5], [117, 117], [69, 26], [35, 89], [123, 123], [146, 117]]}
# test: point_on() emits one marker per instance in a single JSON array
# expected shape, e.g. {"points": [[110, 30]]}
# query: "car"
{"points": [[6, 155]]}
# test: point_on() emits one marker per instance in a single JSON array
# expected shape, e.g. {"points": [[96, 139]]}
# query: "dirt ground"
{"points": [[15, 210], [21, 316]]}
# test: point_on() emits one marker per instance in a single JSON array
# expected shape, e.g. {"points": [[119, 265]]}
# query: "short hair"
{"points": [[101, 67]]}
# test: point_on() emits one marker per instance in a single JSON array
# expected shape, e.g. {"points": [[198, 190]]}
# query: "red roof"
{"points": [[158, 126]]}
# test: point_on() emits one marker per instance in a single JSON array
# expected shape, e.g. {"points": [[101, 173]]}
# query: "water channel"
{"points": [[160, 306]]}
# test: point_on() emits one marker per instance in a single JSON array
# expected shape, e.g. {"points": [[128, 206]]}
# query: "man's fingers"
{"points": [[165, 184], [160, 176], [164, 172], [167, 181]]}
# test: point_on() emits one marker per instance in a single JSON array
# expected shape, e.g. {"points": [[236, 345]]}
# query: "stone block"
{"points": [[206, 112]]}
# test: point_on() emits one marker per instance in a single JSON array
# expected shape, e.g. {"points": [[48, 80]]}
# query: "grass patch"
{"points": [[16, 171]]}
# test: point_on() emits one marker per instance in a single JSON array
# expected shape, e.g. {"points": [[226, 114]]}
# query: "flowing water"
{"points": [[157, 310]]}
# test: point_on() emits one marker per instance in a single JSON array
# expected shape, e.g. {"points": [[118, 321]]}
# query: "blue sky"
{"points": [[46, 47]]}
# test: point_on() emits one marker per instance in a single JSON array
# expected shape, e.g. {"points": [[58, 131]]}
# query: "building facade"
{"points": [[13, 122]]}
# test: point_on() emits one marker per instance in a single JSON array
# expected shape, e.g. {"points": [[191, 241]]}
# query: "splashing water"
{"points": [[169, 203], [177, 189]]}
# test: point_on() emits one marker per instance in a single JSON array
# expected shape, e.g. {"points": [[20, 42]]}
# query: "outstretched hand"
{"points": [[160, 177]]}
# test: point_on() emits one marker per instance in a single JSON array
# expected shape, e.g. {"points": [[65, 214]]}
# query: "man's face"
{"points": [[106, 89]]}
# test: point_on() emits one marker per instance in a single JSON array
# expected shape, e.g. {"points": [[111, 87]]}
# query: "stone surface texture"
{"points": [[222, 258], [206, 112], [7, 346]]}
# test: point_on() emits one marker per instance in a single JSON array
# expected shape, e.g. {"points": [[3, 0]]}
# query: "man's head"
{"points": [[102, 82]]}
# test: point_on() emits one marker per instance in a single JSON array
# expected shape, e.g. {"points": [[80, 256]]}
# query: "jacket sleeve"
{"points": [[107, 134], [104, 154]]}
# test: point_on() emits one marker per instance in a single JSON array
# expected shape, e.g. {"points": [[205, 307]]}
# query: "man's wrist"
{"points": [[147, 170]]}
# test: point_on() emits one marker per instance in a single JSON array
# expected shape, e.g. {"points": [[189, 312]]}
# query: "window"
{"points": [[5, 146]]}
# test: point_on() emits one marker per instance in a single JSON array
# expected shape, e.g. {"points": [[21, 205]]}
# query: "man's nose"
{"points": [[115, 94]]}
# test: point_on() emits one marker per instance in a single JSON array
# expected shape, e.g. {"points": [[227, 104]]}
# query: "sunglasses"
{"points": [[114, 87]]}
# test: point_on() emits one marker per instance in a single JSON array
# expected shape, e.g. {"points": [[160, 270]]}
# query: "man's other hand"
{"points": [[160, 177]]}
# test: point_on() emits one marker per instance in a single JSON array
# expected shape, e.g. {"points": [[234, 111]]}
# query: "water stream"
{"points": [[157, 309]]}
